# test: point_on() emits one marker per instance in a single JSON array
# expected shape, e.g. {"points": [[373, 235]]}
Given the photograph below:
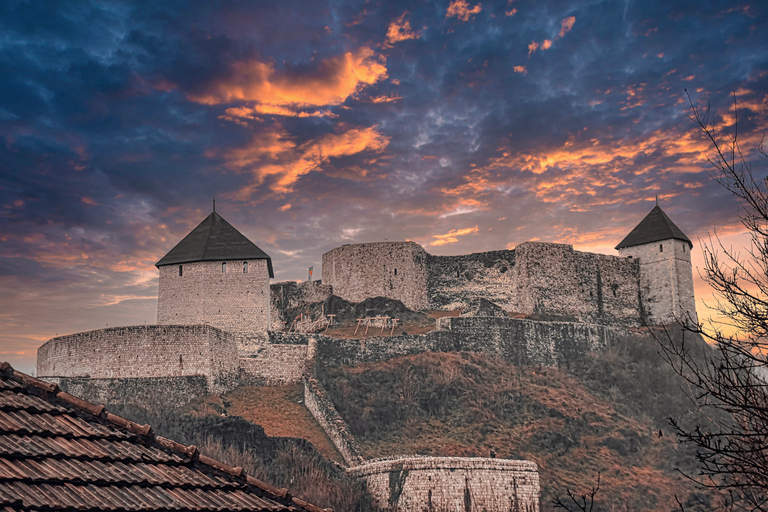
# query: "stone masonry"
{"points": [[143, 351], [379, 269], [235, 300], [413, 484], [666, 280]]}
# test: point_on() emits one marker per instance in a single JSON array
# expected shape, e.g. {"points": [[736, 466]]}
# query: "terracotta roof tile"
{"points": [[60, 452]]}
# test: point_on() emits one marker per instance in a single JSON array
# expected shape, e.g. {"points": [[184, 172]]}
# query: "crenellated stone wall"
{"points": [[143, 351], [415, 484]]}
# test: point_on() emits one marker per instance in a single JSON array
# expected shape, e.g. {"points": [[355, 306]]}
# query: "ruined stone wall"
{"points": [[274, 365], [556, 281], [236, 301], [397, 270], [666, 280], [415, 484], [517, 341], [143, 351], [155, 393], [288, 295], [453, 281]]}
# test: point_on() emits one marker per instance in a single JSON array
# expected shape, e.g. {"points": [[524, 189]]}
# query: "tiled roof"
{"points": [[655, 227], [60, 452], [214, 239]]}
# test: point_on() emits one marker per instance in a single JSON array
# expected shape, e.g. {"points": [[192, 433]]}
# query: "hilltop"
{"points": [[606, 415]]}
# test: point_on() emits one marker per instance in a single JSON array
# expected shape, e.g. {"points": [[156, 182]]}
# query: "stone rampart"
{"points": [[397, 270], [454, 281], [158, 393], [274, 365], [415, 484], [288, 295], [517, 341], [554, 280], [143, 351], [317, 402]]}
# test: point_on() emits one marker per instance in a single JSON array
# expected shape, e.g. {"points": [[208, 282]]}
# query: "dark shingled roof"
{"points": [[656, 226], [214, 239], [60, 452]]}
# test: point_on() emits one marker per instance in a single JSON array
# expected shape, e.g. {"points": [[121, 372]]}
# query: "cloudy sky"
{"points": [[462, 125]]}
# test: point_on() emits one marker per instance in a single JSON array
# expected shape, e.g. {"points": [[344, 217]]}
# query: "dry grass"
{"points": [[280, 411], [459, 404]]}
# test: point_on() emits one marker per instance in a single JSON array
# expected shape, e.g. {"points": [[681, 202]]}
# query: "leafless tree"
{"points": [[583, 503], [731, 377]]}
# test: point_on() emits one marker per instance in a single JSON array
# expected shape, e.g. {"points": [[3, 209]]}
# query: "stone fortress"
{"points": [[220, 324]]}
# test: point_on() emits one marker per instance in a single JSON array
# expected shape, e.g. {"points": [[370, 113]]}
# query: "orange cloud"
{"points": [[547, 44], [461, 9], [521, 69], [275, 155], [532, 47], [400, 30], [566, 25], [331, 83], [451, 236], [604, 170], [234, 113]]}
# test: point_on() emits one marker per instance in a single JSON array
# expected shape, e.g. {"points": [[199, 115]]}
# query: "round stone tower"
{"points": [[216, 276], [666, 278]]}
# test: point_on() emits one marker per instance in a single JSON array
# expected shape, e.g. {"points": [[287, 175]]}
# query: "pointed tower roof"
{"points": [[656, 226], [214, 239]]}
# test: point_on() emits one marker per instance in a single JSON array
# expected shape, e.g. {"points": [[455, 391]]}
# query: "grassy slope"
{"points": [[280, 411], [602, 416]]}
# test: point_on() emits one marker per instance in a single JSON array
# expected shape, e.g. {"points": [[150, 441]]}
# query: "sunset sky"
{"points": [[464, 126]]}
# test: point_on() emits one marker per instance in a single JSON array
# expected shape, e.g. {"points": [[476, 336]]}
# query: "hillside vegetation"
{"points": [[607, 414], [282, 461]]}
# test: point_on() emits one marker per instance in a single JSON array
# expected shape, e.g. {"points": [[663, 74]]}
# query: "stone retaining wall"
{"points": [[161, 393], [317, 401], [274, 365]]}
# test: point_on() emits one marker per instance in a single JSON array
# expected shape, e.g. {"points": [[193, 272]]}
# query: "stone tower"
{"points": [[666, 278], [216, 276]]}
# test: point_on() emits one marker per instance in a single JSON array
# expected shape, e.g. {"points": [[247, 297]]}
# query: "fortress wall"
{"points": [[142, 351], [517, 341], [159, 393], [234, 301], [454, 280], [317, 402], [526, 342], [289, 294], [554, 280], [414, 484], [397, 270], [274, 365], [610, 286]]}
